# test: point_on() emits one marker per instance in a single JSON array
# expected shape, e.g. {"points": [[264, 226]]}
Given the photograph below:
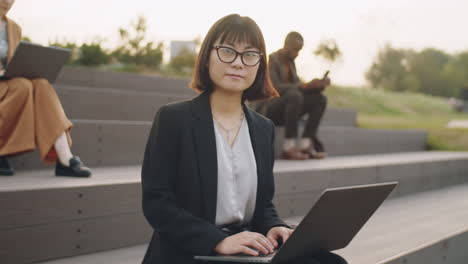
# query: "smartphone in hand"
{"points": [[325, 75]]}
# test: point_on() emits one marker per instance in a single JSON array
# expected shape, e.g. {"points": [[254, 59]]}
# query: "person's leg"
{"points": [[286, 110], [51, 120], [314, 105], [16, 120], [52, 132], [63, 150]]}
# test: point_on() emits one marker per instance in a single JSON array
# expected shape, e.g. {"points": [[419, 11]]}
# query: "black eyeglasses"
{"points": [[228, 55]]}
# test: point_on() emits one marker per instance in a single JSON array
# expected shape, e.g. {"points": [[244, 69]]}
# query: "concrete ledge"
{"points": [[447, 250], [116, 190], [117, 104], [99, 143], [108, 205], [120, 143], [357, 141], [43, 242], [113, 104], [121, 80], [339, 117], [299, 185], [413, 229]]}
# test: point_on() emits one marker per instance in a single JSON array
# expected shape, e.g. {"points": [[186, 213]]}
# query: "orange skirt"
{"points": [[31, 116]]}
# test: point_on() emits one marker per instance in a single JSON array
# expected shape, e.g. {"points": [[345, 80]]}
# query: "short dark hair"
{"points": [[293, 35], [234, 28]]}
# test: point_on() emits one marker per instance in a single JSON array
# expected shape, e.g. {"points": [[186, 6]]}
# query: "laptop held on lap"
{"points": [[35, 61], [331, 224]]}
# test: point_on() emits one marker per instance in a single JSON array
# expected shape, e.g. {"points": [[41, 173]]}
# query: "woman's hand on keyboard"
{"points": [[246, 243], [275, 233]]}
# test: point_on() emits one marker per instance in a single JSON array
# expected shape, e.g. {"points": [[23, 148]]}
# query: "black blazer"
{"points": [[179, 180]]}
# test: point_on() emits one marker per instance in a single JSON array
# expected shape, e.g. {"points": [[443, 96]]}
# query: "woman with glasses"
{"points": [[31, 115], [207, 174]]}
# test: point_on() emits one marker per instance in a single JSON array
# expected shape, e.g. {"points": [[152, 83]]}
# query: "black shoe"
{"points": [[318, 145], [76, 169], [5, 169]]}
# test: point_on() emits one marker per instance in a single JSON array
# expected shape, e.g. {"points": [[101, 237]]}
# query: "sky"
{"points": [[360, 27]]}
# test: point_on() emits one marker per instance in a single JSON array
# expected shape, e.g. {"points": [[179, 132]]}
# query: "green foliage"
{"points": [[88, 54], [328, 49], [183, 62], [429, 71], [26, 38], [75, 50], [135, 49], [92, 54], [134, 53], [389, 71], [426, 67]]}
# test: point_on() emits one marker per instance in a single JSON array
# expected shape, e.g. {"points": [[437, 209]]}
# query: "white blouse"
{"points": [[237, 178]]}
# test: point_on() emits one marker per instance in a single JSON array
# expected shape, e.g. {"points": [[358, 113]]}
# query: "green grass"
{"points": [[391, 110]]}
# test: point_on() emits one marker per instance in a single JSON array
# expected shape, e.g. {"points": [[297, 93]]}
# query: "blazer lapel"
{"points": [[205, 147]]}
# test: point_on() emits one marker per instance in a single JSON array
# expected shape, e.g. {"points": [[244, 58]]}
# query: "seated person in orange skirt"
{"points": [[31, 115]]}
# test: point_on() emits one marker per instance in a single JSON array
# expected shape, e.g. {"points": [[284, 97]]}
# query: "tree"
{"points": [[455, 73], [135, 49], [389, 71], [75, 51], [184, 61], [26, 38], [429, 71], [93, 54], [328, 49], [88, 54], [427, 66]]}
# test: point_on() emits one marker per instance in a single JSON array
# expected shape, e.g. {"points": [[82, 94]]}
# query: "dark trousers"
{"points": [[287, 110]]}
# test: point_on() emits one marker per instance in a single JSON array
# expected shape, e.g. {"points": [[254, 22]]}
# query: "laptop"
{"points": [[331, 224], [35, 61]]}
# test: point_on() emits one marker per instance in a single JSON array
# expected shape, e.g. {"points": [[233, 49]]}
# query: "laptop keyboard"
{"points": [[260, 254]]}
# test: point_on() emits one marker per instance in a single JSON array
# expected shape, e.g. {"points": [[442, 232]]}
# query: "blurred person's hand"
{"points": [[275, 233], [317, 84], [245, 242]]}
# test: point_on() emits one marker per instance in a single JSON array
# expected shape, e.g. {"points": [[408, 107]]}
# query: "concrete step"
{"points": [[300, 183], [113, 104], [429, 227], [99, 143], [117, 143], [79, 216], [347, 140], [121, 80], [82, 102]]}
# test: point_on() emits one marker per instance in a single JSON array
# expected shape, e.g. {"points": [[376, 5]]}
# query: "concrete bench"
{"points": [[121, 142], [79, 216], [425, 228]]}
